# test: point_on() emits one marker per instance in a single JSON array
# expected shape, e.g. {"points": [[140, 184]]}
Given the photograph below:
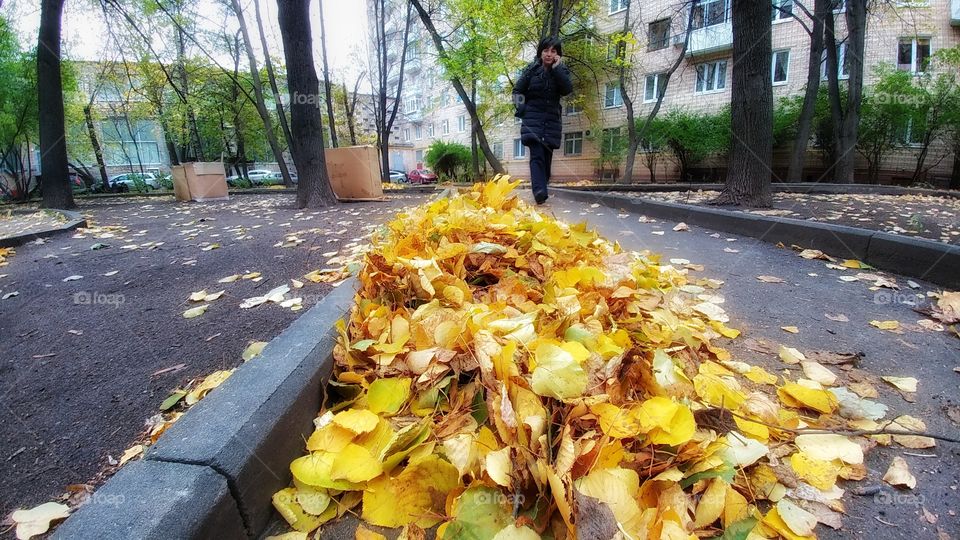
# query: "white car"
{"points": [[256, 176], [134, 181]]}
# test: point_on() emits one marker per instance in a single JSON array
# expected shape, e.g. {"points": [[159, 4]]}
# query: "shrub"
{"points": [[449, 160]]}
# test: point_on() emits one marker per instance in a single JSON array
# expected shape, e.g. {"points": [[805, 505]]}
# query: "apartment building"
{"points": [[903, 35]]}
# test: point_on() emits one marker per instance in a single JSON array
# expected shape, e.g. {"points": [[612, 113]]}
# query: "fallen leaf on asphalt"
{"points": [[830, 446], [210, 247], [72, 278], [658, 233], [195, 312], [10, 295], [210, 382], [911, 423], [37, 520], [789, 355], [929, 516], [770, 279], [913, 284], [797, 519], [898, 474], [681, 227], [229, 279], [834, 358], [849, 278], [75, 332], [111, 273], [297, 284], [905, 384], [253, 350], [251, 275], [932, 326], [886, 325], [731, 250], [947, 308], [274, 295], [790, 329], [131, 453], [815, 254], [816, 372], [853, 263]]}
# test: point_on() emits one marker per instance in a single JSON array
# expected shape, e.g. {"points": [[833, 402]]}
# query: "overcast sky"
{"points": [[85, 33]]}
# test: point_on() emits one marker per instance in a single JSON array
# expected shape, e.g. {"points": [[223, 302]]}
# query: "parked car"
{"points": [[398, 177], [256, 176], [422, 176], [134, 181]]}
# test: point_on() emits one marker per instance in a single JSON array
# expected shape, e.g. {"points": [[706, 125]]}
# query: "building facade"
{"points": [[903, 36]]}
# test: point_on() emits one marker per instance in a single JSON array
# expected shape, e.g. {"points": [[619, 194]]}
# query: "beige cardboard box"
{"points": [[200, 181], [354, 172]]}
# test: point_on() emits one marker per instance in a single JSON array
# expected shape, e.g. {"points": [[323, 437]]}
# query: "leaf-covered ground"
{"points": [[92, 333], [505, 375], [16, 224], [921, 216]]}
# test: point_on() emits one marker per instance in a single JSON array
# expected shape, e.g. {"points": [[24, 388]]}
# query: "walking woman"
{"points": [[537, 99]]}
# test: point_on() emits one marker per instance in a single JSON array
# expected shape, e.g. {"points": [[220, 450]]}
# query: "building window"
{"points": [[406, 134], [430, 129], [412, 104], [573, 143], [129, 143], [843, 69], [462, 123], [612, 96], [498, 150], [913, 55], [780, 67], [914, 130], [611, 140], [616, 6], [711, 77], [658, 35], [419, 157], [710, 13], [572, 106], [656, 84], [418, 132], [782, 10], [445, 127], [519, 150]]}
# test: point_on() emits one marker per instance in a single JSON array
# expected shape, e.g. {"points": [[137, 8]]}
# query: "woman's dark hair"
{"points": [[548, 42]]}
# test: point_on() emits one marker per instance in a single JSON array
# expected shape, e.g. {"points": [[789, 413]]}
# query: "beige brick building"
{"points": [[902, 36]]}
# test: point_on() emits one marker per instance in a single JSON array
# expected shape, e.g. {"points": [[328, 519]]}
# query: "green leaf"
{"points": [[172, 400], [739, 530], [725, 473], [363, 344]]}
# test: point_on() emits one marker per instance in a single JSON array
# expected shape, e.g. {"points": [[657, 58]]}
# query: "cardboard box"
{"points": [[354, 172], [200, 181]]}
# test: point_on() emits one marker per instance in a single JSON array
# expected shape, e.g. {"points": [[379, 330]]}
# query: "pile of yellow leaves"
{"points": [[505, 375], [4, 253]]}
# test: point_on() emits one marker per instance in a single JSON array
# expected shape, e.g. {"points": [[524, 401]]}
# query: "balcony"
{"points": [[715, 38], [955, 12]]}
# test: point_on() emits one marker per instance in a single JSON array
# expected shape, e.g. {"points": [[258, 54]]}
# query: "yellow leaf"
{"points": [[195, 312], [711, 503], [499, 466], [791, 329], [416, 495], [735, 507], [617, 487], [229, 279], [131, 453], [797, 519], [37, 520], [796, 395], [818, 473], [330, 438], [616, 422], [558, 373], [830, 446], [776, 522], [210, 382], [389, 395], [886, 325], [852, 263], [363, 533], [789, 355], [512, 532], [285, 501], [906, 384], [198, 296], [314, 501], [357, 420], [665, 421], [718, 392], [816, 372], [253, 350], [898, 474], [760, 376]]}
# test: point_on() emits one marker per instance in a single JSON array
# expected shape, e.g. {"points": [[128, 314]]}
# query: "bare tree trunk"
{"points": [[261, 105], [468, 103], [313, 189], [326, 80], [751, 108], [474, 151], [805, 120], [349, 112], [181, 71], [633, 142], [856, 37], [97, 149], [556, 10], [271, 77], [57, 192]]}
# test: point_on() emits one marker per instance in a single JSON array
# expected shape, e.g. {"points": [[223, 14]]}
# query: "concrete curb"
{"points": [[74, 220], [915, 257], [800, 187], [232, 451]]}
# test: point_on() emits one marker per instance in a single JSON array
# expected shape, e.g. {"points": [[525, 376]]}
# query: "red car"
{"points": [[422, 176]]}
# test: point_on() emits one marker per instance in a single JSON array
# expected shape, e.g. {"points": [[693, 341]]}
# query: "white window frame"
{"points": [[406, 134], [914, 49], [497, 150], [518, 144], [773, 68], [418, 132], [430, 129], [658, 78], [615, 135], [571, 108], [445, 127], [576, 139], [780, 16], [666, 42], [717, 81], [617, 95], [620, 4], [461, 123], [726, 13], [842, 72]]}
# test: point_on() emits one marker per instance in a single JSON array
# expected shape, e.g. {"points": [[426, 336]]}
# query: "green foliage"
{"points": [[690, 137], [450, 160]]}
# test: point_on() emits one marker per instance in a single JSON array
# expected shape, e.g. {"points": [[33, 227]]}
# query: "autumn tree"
{"points": [[390, 40], [814, 60], [57, 192], [306, 126]]}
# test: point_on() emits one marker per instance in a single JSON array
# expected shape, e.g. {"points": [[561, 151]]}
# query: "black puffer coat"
{"points": [[537, 97]]}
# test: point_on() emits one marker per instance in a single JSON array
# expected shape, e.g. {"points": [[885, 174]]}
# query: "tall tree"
{"points": [[846, 116], [260, 103], [387, 94], [805, 120], [331, 120], [350, 107], [468, 103], [272, 77], [751, 108], [57, 192], [306, 126]]}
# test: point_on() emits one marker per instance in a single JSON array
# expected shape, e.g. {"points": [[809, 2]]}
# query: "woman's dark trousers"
{"points": [[540, 158]]}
